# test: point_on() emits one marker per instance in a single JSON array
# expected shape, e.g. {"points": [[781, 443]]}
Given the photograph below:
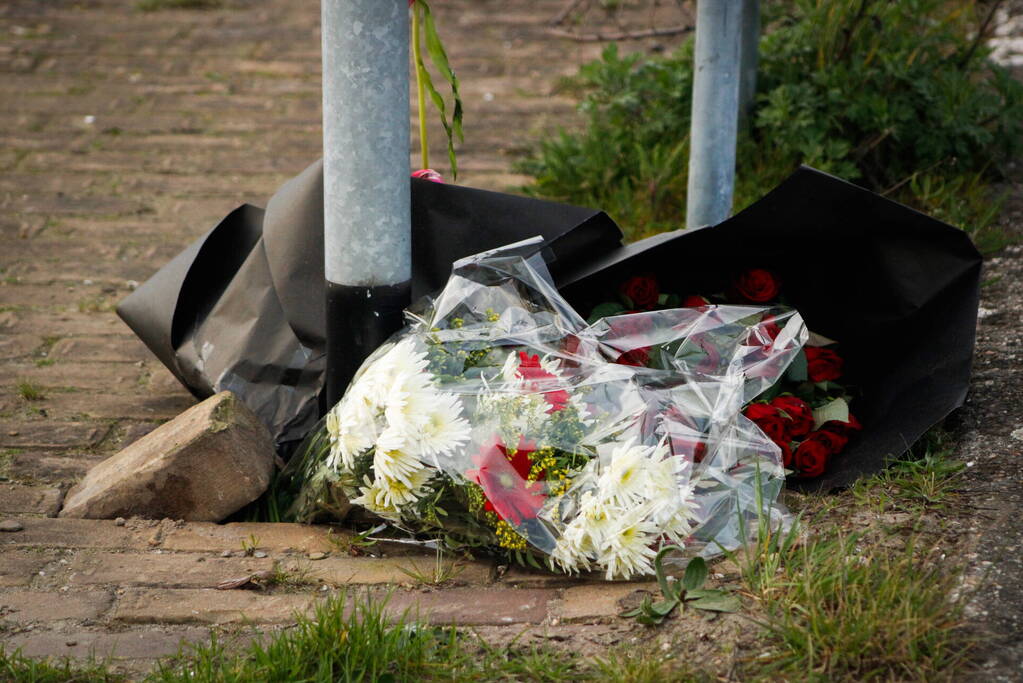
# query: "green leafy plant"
{"points": [[424, 28], [678, 594], [897, 96]]}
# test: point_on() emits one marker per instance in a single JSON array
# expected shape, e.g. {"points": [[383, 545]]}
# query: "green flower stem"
{"points": [[420, 87]]}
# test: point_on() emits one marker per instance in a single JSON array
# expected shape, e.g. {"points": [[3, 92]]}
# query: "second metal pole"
{"points": [[715, 112]]}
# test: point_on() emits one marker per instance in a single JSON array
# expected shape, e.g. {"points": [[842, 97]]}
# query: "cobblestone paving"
{"points": [[126, 134]]}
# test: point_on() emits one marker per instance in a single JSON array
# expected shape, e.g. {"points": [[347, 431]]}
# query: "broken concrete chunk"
{"points": [[201, 466]]}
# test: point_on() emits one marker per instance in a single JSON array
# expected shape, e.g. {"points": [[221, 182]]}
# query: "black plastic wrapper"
{"points": [[242, 307], [897, 289]]}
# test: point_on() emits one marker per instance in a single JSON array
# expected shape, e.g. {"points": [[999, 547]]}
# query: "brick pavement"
{"points": [[123, 136]]}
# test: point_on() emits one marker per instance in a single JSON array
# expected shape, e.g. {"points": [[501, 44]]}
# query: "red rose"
{"points": [[694, 450], [811, 457], [757, 285], [712, 361], [786, 454], [764, 333], [834, 440], [694, 301], [539, 379], [822, 365], [798, 411], [636, 357], [769, 420], [631, 324], [642, 291], [843, 428]]}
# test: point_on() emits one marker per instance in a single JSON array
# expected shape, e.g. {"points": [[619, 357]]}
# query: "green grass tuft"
{"points": [[840, 611], [15, 668], [30, 392]]}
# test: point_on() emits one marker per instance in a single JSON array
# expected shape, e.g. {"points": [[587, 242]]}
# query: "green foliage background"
{"points": [[897, 96]]}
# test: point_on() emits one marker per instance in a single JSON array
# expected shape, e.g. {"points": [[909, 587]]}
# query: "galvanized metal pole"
{"points": [[366, 187], [715, 112], [749, 53]]}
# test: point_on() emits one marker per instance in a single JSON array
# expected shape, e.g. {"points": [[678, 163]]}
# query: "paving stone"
{"points": [[471, 606], [203, 465], [19, 568], [56, 294], [132, 644], [97, 377], [30, 500], [51, 434], [126, 404], [133, 431], [209, 606], [340, 571], [111, 349], [49, 467], [522, 577], [25, 606], [597, 601], [18, 345], [77, 533], [197, 537], [166, 570]]}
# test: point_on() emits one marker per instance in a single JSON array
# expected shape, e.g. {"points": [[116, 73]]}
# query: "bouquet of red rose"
{"points": [[499, 418], [805, 412]]}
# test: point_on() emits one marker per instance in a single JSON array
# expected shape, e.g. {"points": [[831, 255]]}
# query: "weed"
{"points": [[30, 392], [250, 545], [925, 478], [353, 544], [44, 362], [441, 572], [642, 665], [294, 576], [95, 304], [690, 591]]}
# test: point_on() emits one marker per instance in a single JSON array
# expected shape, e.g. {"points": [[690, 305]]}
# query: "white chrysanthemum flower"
{"points": [[384, 496], [373, 498], [629, 545], [583, 538], [393, 459], [679, 526], [409, 400], [396, 493], [627, 479], [571, 551], [350, 434], [444, 429], [403, 359]]}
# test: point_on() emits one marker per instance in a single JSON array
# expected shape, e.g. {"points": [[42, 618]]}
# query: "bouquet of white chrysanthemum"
{"points": [[497, 417]]}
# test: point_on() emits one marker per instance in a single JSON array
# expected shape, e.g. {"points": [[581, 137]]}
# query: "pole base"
{"points": [[359, 319]]}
